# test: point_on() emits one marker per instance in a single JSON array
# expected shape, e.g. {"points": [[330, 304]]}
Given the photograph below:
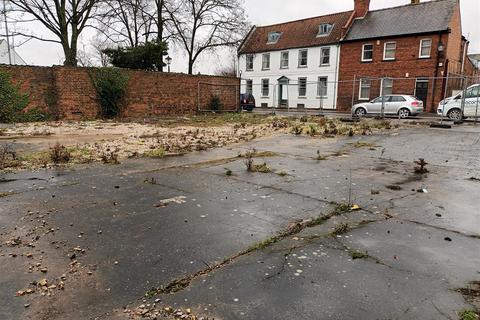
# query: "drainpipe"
{"points": [[336, 79], [434, 84]]}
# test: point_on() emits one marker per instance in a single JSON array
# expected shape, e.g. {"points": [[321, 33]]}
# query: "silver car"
{"points": [[400, 105]]}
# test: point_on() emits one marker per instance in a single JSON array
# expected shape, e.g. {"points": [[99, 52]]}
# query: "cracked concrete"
{"points": [[410, 270]]}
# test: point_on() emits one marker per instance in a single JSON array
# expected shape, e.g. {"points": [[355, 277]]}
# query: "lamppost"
{"points": [[169, 62]]}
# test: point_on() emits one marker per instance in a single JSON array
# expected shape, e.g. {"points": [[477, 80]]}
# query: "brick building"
{"points": [[404, 50]]}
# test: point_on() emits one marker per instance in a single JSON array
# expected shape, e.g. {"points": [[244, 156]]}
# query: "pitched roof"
{"points": [[296, 34], [425, 17]]}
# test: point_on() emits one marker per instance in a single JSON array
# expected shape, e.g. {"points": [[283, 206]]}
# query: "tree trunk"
{"points": [[160, 27]]}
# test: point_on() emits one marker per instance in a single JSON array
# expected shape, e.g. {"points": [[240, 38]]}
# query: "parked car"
{"points": [[452, 107], [247, 102], [401, 105]]}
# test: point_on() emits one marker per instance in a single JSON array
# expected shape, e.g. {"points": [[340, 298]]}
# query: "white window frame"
{"points": [[322, 56], [360, 89], [382, 87], [300, 58], [300, 80], [421, 47], [325, 95], [282, 60], [249, 56], [267, 81], [363, 52], [265, 58], [385, 51]]}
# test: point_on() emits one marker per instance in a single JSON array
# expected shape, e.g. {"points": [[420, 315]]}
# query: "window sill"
{"points": [[302, 67], [284, 68], [424, 58], [265, 69], [389, 60], [302, 97], [322, 98], [324, 65], [366, 61], [364, 99], [265, 97]]}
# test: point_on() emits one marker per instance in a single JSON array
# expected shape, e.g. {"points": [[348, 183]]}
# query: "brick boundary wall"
{"points": [[69, 92]]}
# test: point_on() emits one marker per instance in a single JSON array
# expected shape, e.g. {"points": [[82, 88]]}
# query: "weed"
{"points": [[59, 154], [468, 315], [341, 229], [474, 179], [312, 130], [304, 119], [110, 157], [7, 156], [355, 254], [297, 130], [157, 153], [320, 157], [421, 166], [228, 172], [249, 159]]}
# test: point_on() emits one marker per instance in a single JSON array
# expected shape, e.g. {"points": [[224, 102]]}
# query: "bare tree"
{"points": [[203, 25], [66, 19], [125, 22]]}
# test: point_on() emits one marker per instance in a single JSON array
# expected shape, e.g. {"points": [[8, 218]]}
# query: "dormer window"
{"points": [[325, 29], [273, 37]]}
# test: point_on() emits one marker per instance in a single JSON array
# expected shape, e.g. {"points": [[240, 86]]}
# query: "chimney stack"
{"points": [[361, 8]]}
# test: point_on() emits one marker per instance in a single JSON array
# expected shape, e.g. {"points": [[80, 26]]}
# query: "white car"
{"points": [[452, 107], [401, 105]]}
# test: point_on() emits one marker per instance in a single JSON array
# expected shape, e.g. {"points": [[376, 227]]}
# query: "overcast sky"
{"points": [[261, 12]]}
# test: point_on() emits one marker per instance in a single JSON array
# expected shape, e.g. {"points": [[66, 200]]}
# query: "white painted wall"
{"points": [[16, 59], [312, 72]]}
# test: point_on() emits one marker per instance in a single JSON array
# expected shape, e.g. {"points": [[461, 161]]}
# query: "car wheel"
{"points": [[404, 113], [360, 112], [455, 114]]}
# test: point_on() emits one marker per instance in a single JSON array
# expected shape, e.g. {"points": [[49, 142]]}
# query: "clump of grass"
{"points": [[263, 244], [261, 168], [364, 144], [282, 173], [59, 154], [341, 208], [110, 157], [355, 254], [468, 315], [341, 229], [312, 130], [228, 172], [156, 153], [7, 156], [297, 130]]}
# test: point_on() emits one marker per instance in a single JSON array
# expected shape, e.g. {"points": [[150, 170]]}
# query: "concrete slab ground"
{"points": [[104, 236]]}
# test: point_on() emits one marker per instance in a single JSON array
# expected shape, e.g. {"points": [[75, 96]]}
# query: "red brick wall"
{"points": [[37, 82], [148, 93], [406, 65]]}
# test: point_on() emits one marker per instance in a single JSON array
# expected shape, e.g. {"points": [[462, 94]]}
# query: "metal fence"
{"points": [[342, 95]]}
